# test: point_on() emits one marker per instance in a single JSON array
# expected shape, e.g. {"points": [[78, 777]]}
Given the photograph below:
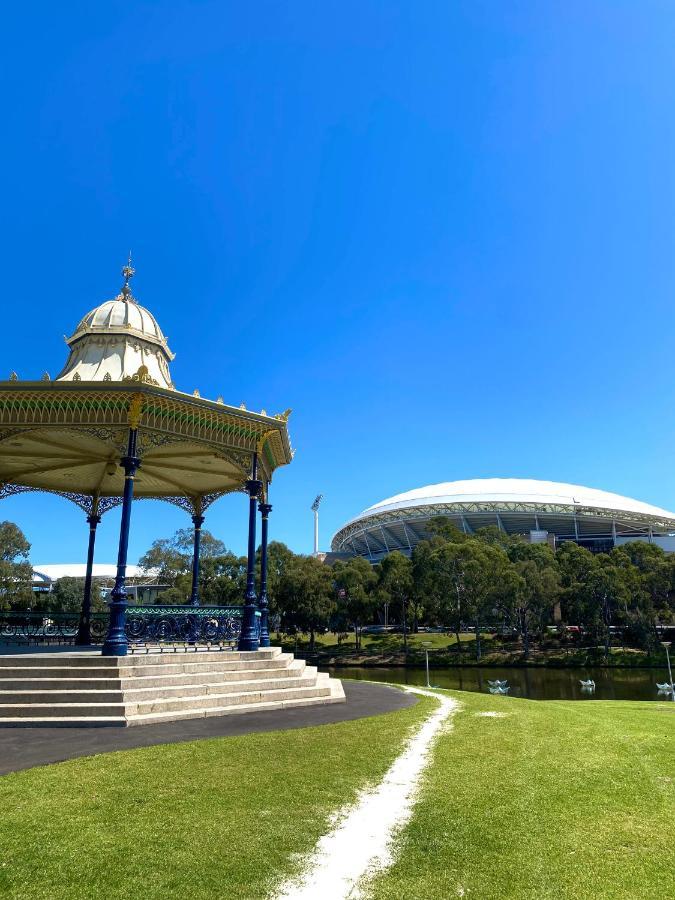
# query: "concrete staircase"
{"points": [[79, 689]]}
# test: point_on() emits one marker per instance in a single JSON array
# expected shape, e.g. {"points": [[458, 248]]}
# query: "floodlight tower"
{"points": [[315, 510]]}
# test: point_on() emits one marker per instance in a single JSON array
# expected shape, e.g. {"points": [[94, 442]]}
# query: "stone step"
{"points": [[158, 718], [222, 700], [140, 658], [177, 668], [162, 687], [157, 666], [218, 689], [28, 698], [93, 659], [35, 680], [78, 695], [293, 669], [63, 710], [91, 672], [35, 683], [58, 660]]}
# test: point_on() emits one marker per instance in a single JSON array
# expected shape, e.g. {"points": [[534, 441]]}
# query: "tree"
{"points": [[222, 580], [654, 574], [395, 585], [68, 593], [604, 590], [355, 581], [575, 565], [305, 596], [16, 573], [165, 561], [538, 587], [470, 578], [279, 557], [170, 561]]}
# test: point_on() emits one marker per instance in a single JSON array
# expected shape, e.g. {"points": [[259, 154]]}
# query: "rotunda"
{"points": [[112, 427]]}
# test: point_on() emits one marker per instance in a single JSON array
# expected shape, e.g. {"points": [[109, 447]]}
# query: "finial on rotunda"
{"points": [[128, 273]]}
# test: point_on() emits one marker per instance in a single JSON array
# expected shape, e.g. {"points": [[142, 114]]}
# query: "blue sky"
{"points": [[443, 233]]}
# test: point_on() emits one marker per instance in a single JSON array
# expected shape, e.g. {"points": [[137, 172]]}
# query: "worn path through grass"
{"points": [[547, 799], [206, 819]]}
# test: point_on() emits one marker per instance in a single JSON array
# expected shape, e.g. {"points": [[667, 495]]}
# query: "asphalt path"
{"points": [[23, 748]]}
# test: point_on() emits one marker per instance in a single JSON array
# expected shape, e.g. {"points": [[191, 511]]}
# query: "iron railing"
{"points": [[217, 625]]}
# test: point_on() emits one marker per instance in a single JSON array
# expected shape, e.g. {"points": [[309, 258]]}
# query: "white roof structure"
{"points": [[54, 571], [515, 505], [119, 341]]}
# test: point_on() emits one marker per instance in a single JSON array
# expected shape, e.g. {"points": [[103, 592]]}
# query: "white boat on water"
{"points": [[587, 685]]}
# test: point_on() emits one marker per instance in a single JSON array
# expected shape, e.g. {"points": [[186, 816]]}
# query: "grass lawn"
{"points": [[386, 643], [554, 800], [557, 799], [206, 819]]}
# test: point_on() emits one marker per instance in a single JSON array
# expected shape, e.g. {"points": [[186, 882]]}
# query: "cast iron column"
{"points": [[265, 510], [248, 639], [116, 643], [83, 638], [198, 521]]}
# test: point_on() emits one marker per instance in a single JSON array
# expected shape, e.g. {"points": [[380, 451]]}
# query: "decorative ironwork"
{"points": [[194, 624], [87, 503], [106, 503], [144, 625]]}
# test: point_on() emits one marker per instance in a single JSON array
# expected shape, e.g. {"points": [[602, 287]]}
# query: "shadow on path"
{"points": [[23, 748]]}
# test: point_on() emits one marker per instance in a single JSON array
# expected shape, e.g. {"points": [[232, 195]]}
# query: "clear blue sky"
{"points": [[442, 232]]}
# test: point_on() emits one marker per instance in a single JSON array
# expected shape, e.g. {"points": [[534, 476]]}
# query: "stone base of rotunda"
{"points": [[72, 688]]}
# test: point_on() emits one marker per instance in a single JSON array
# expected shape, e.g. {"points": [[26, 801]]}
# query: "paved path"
{"points": [[23, 748]]}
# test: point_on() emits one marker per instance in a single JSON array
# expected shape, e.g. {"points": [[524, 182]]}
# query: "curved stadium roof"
{"points": [[516, 505]]}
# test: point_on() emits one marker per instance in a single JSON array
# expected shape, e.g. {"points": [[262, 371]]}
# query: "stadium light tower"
{"points": [[315, 510]]}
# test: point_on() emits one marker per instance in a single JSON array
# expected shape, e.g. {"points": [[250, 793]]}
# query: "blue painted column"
{"points": [[265, 510], [83, 638], [197, 521], [248, 639], [116, 643]]}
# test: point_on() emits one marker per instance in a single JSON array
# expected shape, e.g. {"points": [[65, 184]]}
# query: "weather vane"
{"points": [[128, 272]]}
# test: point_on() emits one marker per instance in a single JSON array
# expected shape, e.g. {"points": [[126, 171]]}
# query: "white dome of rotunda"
{"points": [[119, 340], [120, 313]]}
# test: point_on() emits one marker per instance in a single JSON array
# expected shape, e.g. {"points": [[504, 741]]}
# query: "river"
{"points": [[534, 683]]}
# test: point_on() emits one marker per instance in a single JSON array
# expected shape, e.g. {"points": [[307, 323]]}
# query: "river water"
{"points": [[534, 683]]}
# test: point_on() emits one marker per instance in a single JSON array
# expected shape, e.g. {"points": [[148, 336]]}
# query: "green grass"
{"points": [[559, 799], [378, 643], [205, 819], [556, 800]]}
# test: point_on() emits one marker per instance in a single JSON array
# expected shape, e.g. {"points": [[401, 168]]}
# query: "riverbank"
{"points": [[445, 652]]}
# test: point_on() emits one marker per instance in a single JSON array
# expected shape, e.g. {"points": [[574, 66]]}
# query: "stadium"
{"points": [[541, 511]]}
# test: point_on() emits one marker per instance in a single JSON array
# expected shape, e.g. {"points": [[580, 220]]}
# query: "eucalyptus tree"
{"points": [[537, 590], [170, 558], [604, 591], [16, 572], [355, 583], [395, 585], [305, 596]]}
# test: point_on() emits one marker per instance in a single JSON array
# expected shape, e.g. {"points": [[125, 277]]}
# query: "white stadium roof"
{"points": [[515, 490], [514, 505], [54, 571]]}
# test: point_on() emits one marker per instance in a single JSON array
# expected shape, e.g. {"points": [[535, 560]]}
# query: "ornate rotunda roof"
{"points": [[119, 340]]}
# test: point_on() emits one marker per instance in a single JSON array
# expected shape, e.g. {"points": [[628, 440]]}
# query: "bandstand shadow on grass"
{"points": [[111, 428]]}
